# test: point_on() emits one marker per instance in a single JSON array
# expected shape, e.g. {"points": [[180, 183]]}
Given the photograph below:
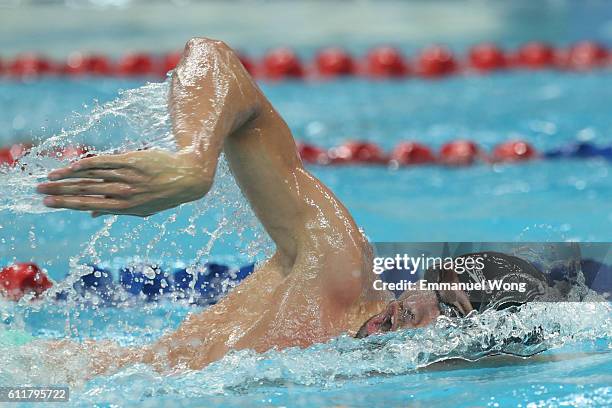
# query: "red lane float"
{"points": [[333, 62], [98, 65], [312, 154], [10, 155], [169, 62], [247, 63], [535, 55], [513, 150], [411, 153], [79, 64], [386, 62], [23, 278], [138, 64], [6, 158], [282, 63], [29, 65], [435, 62], [487, 57], [19, 150], [586, 55], [459, 153], [357, 152]]}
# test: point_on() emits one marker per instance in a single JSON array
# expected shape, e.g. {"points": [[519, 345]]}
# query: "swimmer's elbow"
{"points": [[202, 49], [209, 63], [199, 42]]}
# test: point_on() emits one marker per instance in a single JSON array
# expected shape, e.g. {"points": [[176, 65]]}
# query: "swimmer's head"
{"points": [[419, 308], [414, 309]]}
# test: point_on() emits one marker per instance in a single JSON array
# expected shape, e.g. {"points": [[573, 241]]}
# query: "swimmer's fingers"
{"points": [[115, 161], [113, 205], [99, 165], [107, 175], [86, 187]]}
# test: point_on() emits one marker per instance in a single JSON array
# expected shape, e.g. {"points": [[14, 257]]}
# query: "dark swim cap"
{"points": [[498, 267]]}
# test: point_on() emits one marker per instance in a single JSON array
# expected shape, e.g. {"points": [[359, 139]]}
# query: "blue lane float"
{"points": [[151, 282], [581, 150], [98, 281]]}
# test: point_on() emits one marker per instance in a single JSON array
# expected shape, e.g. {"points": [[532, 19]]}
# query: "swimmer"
{"points": [[317, 285]]}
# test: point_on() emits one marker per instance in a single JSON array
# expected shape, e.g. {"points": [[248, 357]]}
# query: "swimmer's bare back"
{"points": [[312, 289]]}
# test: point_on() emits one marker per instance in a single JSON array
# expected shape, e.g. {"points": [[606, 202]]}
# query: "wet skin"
{"points": [[318, 284]]}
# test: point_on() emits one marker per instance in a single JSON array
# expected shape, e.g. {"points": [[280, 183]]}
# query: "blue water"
{"points": [[538, 201]]}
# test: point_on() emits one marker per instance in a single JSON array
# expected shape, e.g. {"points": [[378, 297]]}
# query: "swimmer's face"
{"points": [[413, 309]]}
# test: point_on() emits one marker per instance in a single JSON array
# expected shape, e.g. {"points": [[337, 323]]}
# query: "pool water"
{"points": [[537, 201]]}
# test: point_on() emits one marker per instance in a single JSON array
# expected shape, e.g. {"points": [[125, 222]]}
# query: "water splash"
{"points": [[136, 119]]}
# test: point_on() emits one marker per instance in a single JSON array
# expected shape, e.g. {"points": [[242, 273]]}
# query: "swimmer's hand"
{"points": [[138, 183]]}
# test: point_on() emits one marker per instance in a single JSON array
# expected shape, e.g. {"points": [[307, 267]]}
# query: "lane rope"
{"points": [[202, 284], [456, 153], [434, 61]]}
